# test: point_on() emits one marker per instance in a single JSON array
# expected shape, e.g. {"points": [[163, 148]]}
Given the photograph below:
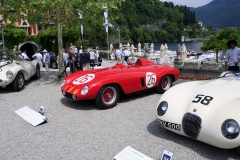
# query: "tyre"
{"points": [[164, 84], [18, 82], [37, 74], [238, 150], [108, 97], [54, 65]]}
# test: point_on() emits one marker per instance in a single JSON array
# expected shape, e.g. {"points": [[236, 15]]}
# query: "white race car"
{"points": [[208, 111], [15, 73]]}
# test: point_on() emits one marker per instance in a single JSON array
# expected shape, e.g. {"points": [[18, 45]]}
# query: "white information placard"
{"points": [[131, 154], [31, 116], [166, 155]]}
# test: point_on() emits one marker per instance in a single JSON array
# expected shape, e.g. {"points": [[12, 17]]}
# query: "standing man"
{"points": [[123, 55], [46, 60], [97, 54], [71, 58], [92, 59], [86, 59], [75, 50], [232, 56], [118, 55], [79, 62], [23, 55], [38, 56], [126, 55], [65, 58]]}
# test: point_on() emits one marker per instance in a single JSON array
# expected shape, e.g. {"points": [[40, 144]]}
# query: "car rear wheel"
{"points": [[18, 82], [108, 97], [164, 84], [54, 65]]}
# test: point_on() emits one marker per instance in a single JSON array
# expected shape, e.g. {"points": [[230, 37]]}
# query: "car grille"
{"points": [[191, 125], [68, 95]]}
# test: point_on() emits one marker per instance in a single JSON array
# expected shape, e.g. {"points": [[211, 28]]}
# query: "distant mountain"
{"points": [[219, 14]]}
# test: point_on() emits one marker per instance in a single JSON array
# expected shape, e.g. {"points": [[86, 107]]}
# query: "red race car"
{"points": [[105, 85]]}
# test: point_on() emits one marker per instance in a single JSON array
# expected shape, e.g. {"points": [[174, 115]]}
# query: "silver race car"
{"points": [[15, 73]]}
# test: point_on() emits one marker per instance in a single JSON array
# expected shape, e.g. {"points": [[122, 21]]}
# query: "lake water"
{"points": [[191, 46]]}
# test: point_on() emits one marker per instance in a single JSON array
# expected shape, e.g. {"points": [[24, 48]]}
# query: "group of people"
{"points": [[41, 58], [121, 57], [79, 60]]}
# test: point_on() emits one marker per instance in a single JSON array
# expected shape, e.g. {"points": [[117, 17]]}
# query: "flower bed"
{"points": [[190, 77]]}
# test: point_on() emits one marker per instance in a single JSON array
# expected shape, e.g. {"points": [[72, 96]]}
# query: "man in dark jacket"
{"points": [[86, 60], [79, 62]]}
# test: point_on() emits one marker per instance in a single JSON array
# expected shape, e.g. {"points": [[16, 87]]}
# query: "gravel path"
{"points": [[79, 130]]}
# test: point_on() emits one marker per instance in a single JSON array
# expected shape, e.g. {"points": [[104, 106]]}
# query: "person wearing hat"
{"points": [[46, 59], [232, 57]]}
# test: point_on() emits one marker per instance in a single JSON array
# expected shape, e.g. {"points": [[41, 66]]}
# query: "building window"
{"points": [[25, 27]]}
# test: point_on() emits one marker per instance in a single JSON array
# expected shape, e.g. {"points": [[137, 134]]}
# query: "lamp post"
{"points": [[81, 26], [106, 26], [119, 34], [4, 57]]}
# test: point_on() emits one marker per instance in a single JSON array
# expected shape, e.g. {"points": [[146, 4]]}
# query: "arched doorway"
{"points": [[31, 48]]}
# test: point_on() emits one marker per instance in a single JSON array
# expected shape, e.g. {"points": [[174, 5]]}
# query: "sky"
{"points": [[190, 3]]}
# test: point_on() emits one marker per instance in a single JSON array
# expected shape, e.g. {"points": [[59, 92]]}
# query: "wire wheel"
{"points": [[166, 83], [109, 95]]}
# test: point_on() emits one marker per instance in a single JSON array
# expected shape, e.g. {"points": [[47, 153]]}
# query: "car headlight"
{"points": [[162, 108], [84, 90], [64, 81], [230, 129], [9, 74]]}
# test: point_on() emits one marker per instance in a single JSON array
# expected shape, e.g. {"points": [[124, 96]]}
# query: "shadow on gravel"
{"points": [[45, 78], [205, 150], [91, 105], [79, 105], [130, 97]]}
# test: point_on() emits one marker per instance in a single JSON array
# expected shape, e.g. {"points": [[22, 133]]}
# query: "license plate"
{"points": [[170, 125]]}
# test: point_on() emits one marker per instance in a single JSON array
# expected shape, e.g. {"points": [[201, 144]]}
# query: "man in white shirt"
{"points": [[37, 56], [126, 55], [23, 55], [46, 60], [65, 58], [92, 59], [75, 51], [232, 57]]}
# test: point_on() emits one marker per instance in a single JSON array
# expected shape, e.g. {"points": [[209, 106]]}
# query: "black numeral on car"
{"points": [[205, 100]]}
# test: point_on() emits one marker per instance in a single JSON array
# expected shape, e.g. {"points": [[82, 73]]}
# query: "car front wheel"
{"points": [[108, 97], [18, 82], [164, 84], [37, 74], [54, 65]]}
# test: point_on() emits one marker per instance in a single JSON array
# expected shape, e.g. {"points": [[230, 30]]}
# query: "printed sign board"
{"points": [[131, 154], [31, 116]]}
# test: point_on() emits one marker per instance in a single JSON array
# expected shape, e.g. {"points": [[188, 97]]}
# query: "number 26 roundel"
{"points": [[151, 79]]}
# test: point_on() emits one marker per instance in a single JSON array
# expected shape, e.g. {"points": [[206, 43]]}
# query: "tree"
{"points": [[58, 12], [219, 41], [13, 35]]}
